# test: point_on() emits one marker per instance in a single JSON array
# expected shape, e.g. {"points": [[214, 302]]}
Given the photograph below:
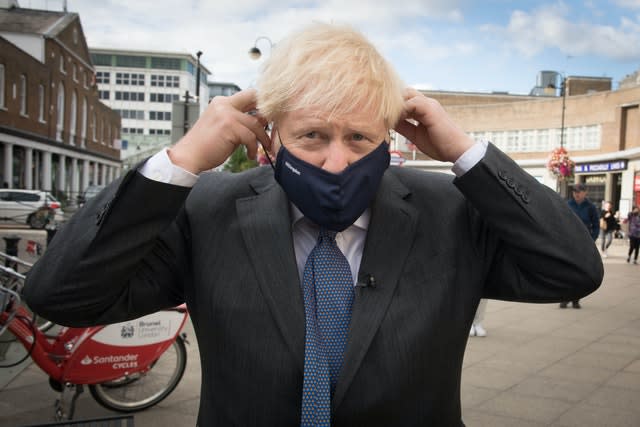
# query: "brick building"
{"points": [[55, 133], [601, 132]]}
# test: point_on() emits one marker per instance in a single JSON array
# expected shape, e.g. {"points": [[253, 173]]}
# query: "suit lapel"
{"points": [[266, 230], [389, 238]]}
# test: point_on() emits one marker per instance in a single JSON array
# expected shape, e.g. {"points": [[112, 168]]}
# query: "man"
{"points": [[332, 289], [588, 214]]}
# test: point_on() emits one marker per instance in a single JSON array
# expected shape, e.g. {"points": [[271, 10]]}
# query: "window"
{"points": [[164, 97], [137, 79], [159, 132], [23, 94], [62, 65], [101, 59], [104, 94], [73, 118], [74, 72], [130, 79], [165, 81], [85, 80], [159, 115], [166, 63], [131, 114], [2, 86], [131, 61], [103, 77], [60, 123], [129, 96], [94, 127], [41, 103], [84, 121], [138, 131]]}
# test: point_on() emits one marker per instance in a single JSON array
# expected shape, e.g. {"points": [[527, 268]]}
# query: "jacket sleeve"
{"points": [[538, 249], [119, 257]]}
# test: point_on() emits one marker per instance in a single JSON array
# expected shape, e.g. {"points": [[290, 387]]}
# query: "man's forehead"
{"points": [[315, 116]]}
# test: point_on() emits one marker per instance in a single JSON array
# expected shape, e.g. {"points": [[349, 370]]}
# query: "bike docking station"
{"points": [[28, 245], [127, 366]]}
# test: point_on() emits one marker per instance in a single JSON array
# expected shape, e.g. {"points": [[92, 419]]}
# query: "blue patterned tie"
{"points": [[328, 298]]}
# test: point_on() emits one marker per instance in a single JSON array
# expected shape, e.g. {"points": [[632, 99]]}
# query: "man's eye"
{"points": [[357, 137], [312, 134]]}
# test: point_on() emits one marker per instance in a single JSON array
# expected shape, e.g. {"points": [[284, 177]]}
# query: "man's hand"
{"points": [[435, 134], [223, 126]]}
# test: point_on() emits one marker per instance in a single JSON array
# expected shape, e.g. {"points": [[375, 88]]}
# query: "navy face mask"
{"points": [[332, 201]]}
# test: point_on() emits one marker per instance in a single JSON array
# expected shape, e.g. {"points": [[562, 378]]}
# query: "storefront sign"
{"points": [[617, 165]]}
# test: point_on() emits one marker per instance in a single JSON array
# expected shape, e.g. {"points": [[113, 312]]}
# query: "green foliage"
{"points": [[239, 161]]}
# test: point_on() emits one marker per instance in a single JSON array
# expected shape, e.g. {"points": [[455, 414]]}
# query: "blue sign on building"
{"points": [[616, 165]]}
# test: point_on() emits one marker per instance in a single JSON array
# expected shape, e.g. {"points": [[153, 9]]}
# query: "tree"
{"points": [[239, 161]]}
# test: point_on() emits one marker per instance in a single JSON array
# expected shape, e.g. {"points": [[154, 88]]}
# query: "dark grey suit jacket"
{"points": [[435, 246]]}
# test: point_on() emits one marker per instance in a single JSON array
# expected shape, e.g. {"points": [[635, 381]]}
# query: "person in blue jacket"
{"points": [[588, 213]]}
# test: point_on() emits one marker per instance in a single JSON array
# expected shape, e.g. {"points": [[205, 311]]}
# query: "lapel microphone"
{"points": [[366, 280]]}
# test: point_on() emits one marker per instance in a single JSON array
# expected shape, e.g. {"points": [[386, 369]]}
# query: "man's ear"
{"points": [[275, 137]]}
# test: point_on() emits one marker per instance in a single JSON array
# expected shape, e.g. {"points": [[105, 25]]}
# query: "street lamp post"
{"points": [[563, 92], [198, 54], [254, 52]]}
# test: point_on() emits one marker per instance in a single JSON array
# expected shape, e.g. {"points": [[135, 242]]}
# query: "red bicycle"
{"points": [[128, 366]]}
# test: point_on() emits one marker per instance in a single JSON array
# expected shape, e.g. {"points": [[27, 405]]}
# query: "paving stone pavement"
{"points": [[539, 366]]}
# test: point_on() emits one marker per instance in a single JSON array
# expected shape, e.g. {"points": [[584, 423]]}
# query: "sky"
{"points": [[451, 45]]}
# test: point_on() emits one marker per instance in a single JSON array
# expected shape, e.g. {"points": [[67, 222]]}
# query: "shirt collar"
{"points": [[362, 222]]}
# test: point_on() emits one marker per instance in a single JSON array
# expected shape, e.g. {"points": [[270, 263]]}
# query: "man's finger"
{"points": [[256, 125], [406, 129], [244, 101], [410, 92]]}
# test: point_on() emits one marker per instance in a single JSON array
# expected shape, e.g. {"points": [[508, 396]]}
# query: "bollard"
{"points": [[11, 248]]}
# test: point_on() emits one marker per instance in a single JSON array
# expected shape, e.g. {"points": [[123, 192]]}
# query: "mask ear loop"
{"points": [[266, 153]]}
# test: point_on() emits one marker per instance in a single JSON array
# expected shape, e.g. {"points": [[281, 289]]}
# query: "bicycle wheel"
{"points": [[143, 390]]}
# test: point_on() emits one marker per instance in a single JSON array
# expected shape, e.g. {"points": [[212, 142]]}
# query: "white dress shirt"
{"points": [[305, 233]]}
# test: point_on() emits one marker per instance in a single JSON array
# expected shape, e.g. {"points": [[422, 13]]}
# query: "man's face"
{"points": [[331, 145], [579, 196]]}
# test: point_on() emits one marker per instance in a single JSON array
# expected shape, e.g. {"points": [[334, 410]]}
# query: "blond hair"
{"points": [[333, 68]]}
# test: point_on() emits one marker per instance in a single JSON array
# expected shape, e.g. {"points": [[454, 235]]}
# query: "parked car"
{"points": [[33, 207], [89, 193]]}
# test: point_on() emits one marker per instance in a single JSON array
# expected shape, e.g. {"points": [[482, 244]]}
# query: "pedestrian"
{"points": [[608, 226], [477, 330], [633, 219], [588, 214], [329, 288]]}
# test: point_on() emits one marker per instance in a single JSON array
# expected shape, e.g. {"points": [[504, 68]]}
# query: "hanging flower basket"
{"points": [[560, 165]]}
